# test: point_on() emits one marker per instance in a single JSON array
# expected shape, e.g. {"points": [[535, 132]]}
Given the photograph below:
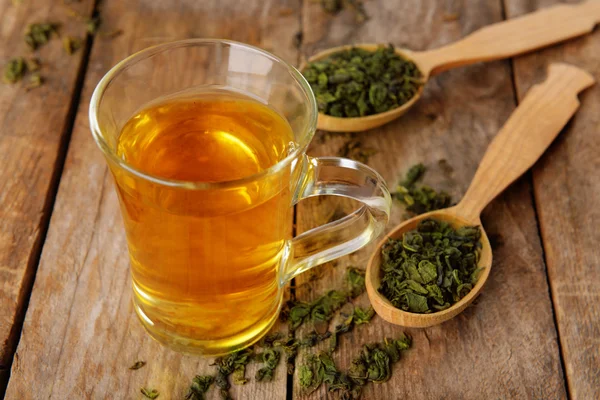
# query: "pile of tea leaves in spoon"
{"points": [[430, 268], [357, 82]]}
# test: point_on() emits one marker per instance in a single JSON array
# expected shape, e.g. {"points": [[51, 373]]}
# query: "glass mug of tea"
{"points": [[206, 142]]}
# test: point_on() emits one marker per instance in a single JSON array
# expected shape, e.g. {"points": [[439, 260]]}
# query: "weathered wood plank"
{"points": [[33, 128], [505, 346], [80, 334], [566, 187]]}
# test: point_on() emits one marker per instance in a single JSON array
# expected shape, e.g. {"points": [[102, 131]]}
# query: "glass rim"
{"points": [[152, 50]]}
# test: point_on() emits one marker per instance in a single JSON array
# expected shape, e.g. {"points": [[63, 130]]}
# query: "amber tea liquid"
{"points": [[205, 262]]}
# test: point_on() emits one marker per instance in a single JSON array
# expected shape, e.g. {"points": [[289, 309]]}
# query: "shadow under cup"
{"points": [[209, 260]]}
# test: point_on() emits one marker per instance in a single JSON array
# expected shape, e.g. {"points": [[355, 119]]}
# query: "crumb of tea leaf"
{"points": [[150, 393], [137, 365], [111, 34], [35, 80], [449, 17], [71, 44], [33, 64], [92, 24], [354, 150], [14, 70], [298, 37], [286, 11]]}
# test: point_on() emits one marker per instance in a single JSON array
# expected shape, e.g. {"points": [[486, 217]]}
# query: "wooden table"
{"points": [[67, 326]]}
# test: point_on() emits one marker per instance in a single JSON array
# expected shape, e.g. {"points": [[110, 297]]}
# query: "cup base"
{"points": [[214, 347]]}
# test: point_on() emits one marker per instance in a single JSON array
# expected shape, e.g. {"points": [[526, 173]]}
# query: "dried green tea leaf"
{"points": [[33, 64], [269, 338], [92, 24], [306, 376], [290, 348], [199, 387], [355, 280], [420, 199], [138, 365], [111, 34], [223, 385], [14, 70], [430, 268], [357, 82], [39, 34], [344, 325], [373, 364], [332, 6], [71, 44], [354, 150], [362, 316], [270, 357], [150, 393], [35, 80], [335, 6], [234, 363], [323, 308], [296, 313]]}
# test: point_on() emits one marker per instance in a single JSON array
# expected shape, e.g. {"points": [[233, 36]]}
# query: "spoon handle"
{"points": [[531, 128], [513, 37]]}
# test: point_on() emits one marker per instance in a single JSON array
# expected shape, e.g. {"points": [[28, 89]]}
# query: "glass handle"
{"points": [[346, 178]]}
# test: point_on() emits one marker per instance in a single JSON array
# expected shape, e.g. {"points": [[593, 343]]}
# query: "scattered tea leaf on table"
{"points": [[14, 70], [363, 316], [270, 357], [71, 44], [354, 150], [373, 364], [35, 80], [33, 64], [199, 387], [355, 280], [420, 199], [232, 364], [335, 6], [150, 393], [39, 34], [92, 24]]}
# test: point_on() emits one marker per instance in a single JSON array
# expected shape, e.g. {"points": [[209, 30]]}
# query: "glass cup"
{"points": [[209, 260]]}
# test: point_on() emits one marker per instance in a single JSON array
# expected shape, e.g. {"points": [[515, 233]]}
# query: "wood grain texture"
{"points": [[81, 334], [505, 345], [566, 187], [33, 126]]}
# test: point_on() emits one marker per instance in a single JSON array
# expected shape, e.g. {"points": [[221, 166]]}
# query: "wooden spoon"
{"points": [[526, 135], [502, 40]]}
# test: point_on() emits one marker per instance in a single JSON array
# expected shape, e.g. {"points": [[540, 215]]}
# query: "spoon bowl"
{"points": [[520, 143], [386, 310], [494, 42], [359, 124]]}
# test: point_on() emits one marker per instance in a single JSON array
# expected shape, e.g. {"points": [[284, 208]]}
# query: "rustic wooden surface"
{"points": [[465, 357], [80, 333], [566, 184], [34, 126]]}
